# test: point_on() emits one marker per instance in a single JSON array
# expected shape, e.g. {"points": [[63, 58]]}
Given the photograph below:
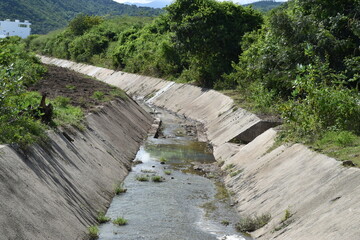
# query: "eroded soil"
{"points": [[78, 87]]}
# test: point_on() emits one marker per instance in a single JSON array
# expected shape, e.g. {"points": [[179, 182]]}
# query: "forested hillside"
{"points": [[48, 15], [264, 6], [301, 61]]}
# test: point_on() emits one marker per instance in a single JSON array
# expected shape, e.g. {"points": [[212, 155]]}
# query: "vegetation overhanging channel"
{"points": [[298, 62]]}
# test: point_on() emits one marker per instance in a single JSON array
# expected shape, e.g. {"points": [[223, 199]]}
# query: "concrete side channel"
{"points": [[55, 190], [321, 197]]}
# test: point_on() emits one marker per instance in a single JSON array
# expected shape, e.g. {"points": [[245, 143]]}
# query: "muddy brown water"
{"points": [[185, 205]]}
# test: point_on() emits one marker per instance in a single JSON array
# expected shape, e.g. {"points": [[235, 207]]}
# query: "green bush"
{"points": [[250, 224], [157, 179], [120, 221], [98, 95], [82, 23], [93, 232], [319, 106], [84, 47], [101, 218], [18, 69], [65, 114]]}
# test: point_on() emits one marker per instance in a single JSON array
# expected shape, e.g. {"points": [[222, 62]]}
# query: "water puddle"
{"points": [[184, 205]]}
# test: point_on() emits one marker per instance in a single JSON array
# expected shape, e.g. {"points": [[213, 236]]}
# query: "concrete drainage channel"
{"points": [[321, 194], [168, 194]]}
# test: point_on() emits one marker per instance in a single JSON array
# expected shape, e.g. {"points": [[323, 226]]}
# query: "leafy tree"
{"points": [[208, 34], [17, 69], [328, 28], [82, 23], [84, 47]]}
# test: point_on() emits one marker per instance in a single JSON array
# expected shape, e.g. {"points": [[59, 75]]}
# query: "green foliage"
{"points": [[197, 26], [82, 23], [285, 221], [101, 218], [225, 222], [66, 114], [304, 63], [62, 102], [148, 50], [250, 224], [264, 6], [120, 221], [342, 145], [157, 179], [235, 173], [17, 70], [93, 232], [318, 105], [273, 54], [82, 48], [118, 93], [120, 189], [182, 43], [287, 215], [98, 95], [142, 178]]}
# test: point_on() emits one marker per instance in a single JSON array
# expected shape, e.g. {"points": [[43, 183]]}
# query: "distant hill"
{"points": [[154, 4], [48, 15], [264, 6]]}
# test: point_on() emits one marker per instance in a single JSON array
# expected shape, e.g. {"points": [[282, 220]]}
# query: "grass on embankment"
{"points": [[341, 145]]}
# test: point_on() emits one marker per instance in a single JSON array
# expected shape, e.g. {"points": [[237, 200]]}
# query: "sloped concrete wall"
{"points": [[322, 195], [222, 120], [56, 190]]}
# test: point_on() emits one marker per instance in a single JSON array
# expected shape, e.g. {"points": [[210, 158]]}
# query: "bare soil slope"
{"points": [[79, 88]]}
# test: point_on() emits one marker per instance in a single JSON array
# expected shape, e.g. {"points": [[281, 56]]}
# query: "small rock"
{"points": [[348, 163], [197, 168], [137, 162]]}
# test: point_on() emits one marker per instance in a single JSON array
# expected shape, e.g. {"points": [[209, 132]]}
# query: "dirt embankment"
{"points": [[55, 191], [79, 88]]}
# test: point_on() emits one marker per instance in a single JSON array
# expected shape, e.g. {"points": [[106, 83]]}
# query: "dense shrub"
{"points": [[250, 224], [84, 47], [318, 105], [209, 33], [17, 69]]}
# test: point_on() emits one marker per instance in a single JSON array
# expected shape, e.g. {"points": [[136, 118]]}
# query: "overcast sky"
{"points": [[167, 1]]}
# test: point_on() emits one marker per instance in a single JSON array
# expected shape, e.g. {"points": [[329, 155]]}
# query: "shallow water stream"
{"points": [[185, 205]]}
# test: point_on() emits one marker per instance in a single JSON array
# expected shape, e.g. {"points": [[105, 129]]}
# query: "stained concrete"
{"points": [[322, 195], [55, 191]]}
